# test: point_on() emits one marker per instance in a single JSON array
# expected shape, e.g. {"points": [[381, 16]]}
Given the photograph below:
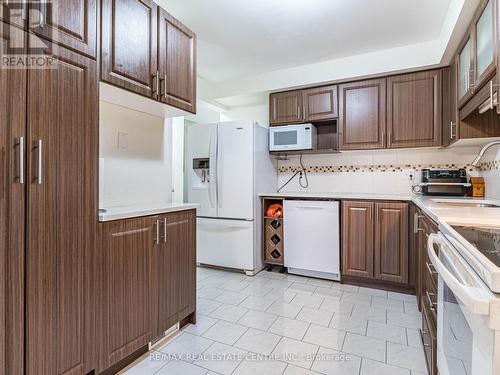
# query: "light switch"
{"points": [[122, 142]]}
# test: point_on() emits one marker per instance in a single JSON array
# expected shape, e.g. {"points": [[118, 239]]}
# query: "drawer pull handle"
{"points": [[431, 304], [432, 271]]}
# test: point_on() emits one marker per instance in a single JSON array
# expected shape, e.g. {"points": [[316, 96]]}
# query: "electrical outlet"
{"points": [[409, 173]]}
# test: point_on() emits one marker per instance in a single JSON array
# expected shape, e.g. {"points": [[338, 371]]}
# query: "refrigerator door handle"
{"points": [[213, 170], [219, 170]]}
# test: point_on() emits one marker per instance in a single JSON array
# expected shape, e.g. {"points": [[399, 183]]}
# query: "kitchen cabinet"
{"points": [[484, 63], [414, 109], [61, 184], [464, 63], [176, 268], [375, 241], [450, 108], [176, 63], [70, 23], [320, 103], [309, 105], [362, 109], [12, 210], [357, 239], [391, 242], [128, 257], [285, 108], [428, 335], [129, 45], [149, 280]]}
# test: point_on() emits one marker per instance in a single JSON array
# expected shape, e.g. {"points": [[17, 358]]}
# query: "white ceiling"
{"points": [[239, 38]]}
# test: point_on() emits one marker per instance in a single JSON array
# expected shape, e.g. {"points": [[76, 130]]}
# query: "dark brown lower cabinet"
{"points": [[375, 241], [391, 242], [149, 280], [357, 239], [62, 187], [12, 210], [176, 269], [128, 259]]}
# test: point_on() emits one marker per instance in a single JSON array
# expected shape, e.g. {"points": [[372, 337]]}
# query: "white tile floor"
{"points": [[285, 324]]}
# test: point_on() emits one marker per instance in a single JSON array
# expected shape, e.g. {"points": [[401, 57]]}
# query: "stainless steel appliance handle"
{"points": [[470, 296], [21, 160], [219, 170], [39, 174], [213, 172]]}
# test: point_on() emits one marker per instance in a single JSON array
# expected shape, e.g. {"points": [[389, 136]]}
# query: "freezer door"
{"points": [[311, 235], [202, 183], [235, 155], [225, 243]]}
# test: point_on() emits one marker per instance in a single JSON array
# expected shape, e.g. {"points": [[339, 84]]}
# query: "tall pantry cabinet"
{"points": [[48, 201]]}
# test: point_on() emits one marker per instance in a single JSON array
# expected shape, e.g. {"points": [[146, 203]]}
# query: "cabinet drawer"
{"points": [[429, 341]]}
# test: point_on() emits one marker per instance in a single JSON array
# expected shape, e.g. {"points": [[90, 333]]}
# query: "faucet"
{"points": [[483, 150]]}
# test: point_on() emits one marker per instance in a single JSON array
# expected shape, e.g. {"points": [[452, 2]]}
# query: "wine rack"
{"points": [[273, 240]]}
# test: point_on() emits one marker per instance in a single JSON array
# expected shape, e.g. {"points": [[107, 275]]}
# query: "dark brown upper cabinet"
{"points": [[177, 63], [129, 45], [391, 242], [62, 190], [414, 109], [320, 103], [69, 23], [285, 108], [357, 239], [362, 108], [450, 109], [309, 105]]}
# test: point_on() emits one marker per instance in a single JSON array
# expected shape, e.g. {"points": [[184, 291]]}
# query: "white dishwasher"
{"points": [[311, 238]]}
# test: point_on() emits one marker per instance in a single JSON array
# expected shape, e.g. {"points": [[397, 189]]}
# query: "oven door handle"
{"points": [[470, 296]]}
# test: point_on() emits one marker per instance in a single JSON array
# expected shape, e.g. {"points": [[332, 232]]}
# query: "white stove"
{"points": [[467, 260]]}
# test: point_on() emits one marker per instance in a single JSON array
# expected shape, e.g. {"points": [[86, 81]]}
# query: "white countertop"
{"points": [[437, 208], [340, 196], [127, 212]]}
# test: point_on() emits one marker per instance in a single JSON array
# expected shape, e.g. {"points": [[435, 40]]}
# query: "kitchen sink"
{"points": [[465, 203]]}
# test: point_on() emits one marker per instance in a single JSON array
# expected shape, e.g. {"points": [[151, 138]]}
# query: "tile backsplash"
{"points": [[384, 171]]}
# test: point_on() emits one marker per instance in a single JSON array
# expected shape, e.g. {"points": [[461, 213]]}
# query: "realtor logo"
{"points": [[20, 49]]}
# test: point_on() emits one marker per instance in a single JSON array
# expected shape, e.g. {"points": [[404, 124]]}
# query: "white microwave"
{"points": [[292, 137]]}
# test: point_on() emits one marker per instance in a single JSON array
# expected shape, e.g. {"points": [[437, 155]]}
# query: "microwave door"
{"points": [[285, 139]]}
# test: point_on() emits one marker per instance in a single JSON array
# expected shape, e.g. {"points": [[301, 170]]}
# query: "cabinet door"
{"points": [[357, 239], [177, 63], [450, 109], [129, 45], [484, 48], [14, 13], [285, 108], [414, 109], [63, 135], [12, 208], [465, 67], [496, 6], [127, 251], [320, 103], [176, 269], [69, 23], [362, 110], [391, 242]]}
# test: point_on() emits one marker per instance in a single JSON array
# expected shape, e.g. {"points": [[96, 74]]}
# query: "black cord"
{"points": [[305, 174], [286, 183]]}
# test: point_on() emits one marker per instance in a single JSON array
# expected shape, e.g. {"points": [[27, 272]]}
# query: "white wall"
{"points": [[141, 174], [178, 159], [259, 113]]}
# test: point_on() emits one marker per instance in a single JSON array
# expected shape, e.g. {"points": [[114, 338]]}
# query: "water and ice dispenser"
{"points": [[201, 173]]}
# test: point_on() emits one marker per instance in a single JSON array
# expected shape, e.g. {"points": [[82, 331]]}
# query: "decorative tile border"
{"points": [[494, 165]]}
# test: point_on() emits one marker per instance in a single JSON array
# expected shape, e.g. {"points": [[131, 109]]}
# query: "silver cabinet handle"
{"points": [[42, 13], [431, 304], [298, 112], [156, 83], [431, 270], [304, 112], [452, 136], [157, 225], [21, 160], [39, 174], [165, 230], [163, 87], [416, 219], [24, 10]]}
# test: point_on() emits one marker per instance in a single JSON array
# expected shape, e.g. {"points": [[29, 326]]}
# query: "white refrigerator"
{"points": [[228, 165]]}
